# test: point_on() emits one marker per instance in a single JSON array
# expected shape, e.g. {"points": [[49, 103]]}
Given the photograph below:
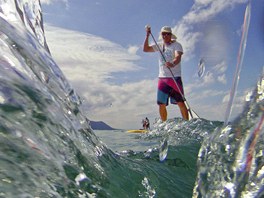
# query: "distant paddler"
{"points": [[146, 127], [146, 124]]}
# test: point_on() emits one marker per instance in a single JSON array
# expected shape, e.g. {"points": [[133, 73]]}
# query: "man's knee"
{"points": [[181, 104]]}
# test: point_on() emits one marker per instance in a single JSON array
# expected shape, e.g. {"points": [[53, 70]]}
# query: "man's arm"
{"points": [[177, 58], [146, 47]]}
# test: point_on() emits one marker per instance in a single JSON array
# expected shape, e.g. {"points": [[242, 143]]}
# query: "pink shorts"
{"points": [[168, 89]]}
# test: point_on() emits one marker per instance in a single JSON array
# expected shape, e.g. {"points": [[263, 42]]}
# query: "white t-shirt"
{"points": [[169, 53]]}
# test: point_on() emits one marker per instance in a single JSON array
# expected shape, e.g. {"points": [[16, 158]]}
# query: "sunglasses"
{"points": [[165, 33]]}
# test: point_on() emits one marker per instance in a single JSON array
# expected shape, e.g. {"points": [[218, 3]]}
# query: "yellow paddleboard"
{"points": [[137, 131]]}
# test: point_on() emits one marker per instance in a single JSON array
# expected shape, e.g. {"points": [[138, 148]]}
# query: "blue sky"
{"points": [[98, 46]]}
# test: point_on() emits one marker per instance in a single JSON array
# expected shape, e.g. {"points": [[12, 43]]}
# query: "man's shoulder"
{"points": [[176, 43], [177, 46]]}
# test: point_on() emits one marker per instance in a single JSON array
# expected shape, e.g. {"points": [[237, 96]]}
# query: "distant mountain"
{"points": [[100, 125]]}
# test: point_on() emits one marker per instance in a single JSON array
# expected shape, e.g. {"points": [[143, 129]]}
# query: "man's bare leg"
{"points": [[183, 110], [163, 112]]}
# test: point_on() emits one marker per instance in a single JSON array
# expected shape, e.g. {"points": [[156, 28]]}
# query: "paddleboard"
{"points": [[137, 131]]}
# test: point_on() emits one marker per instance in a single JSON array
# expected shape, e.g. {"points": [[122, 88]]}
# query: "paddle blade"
{"points": [[192, 114]]}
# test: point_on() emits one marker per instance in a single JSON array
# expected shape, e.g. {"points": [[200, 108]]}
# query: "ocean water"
{"points": [[48, 149], [173, 177]]}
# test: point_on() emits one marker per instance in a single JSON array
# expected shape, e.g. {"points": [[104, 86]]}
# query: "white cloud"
{"points": [[220, 68], [209, 78], [219, 71], [84, 56], [53, 1], [133, 49], [125, 103], [89, 62], [208, 93], [238, 103], [212, 40], [187, 38], [222, 79], [204, 11], [215, 74]]}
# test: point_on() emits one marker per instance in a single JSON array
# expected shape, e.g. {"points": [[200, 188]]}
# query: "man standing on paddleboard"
{"points": [[169, 67]]}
